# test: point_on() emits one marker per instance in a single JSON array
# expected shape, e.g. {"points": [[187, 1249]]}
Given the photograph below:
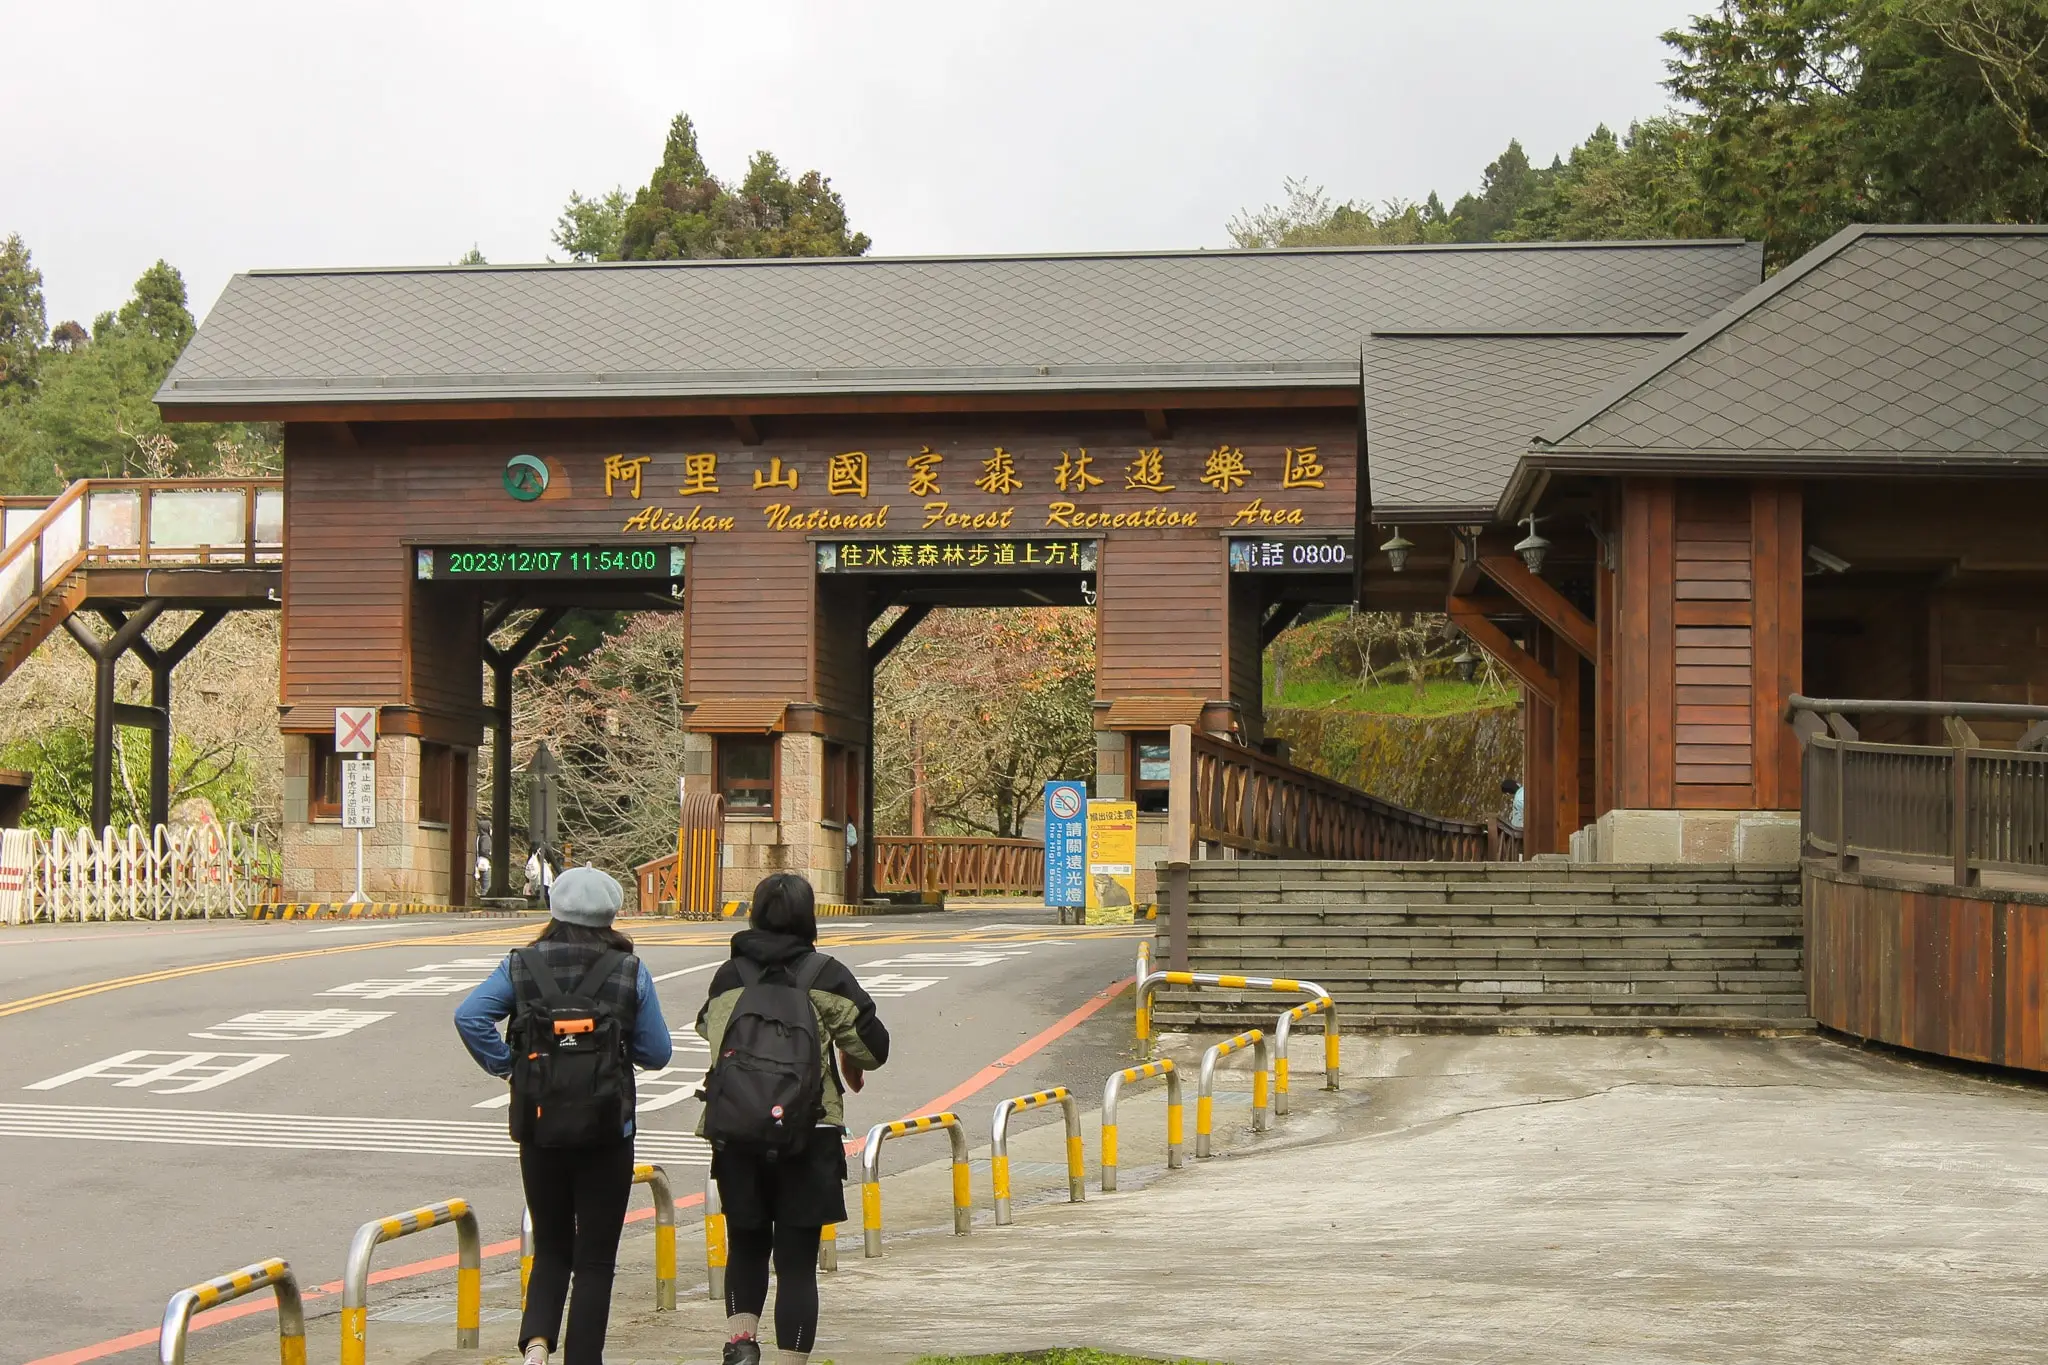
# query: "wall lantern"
{"points": [[1532, 547], [1397, 550], [1467, 662]]}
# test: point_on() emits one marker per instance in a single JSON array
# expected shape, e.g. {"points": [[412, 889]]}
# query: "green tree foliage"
{"points": [[685, 212], [1795, 119], [91, 412], [59, 760], [1310, 218], [22, 323]]}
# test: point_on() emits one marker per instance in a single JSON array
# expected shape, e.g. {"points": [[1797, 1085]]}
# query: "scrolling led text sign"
{"points": [[1148, 487]]}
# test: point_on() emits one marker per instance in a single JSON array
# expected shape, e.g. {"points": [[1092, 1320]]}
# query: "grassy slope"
{"points": [[1442, 697]]}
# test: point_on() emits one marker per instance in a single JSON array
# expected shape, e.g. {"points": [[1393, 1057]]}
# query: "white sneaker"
{"points": [[537, 1353]]}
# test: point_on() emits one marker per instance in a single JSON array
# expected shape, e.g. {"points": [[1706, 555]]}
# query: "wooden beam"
{"points": [[749, 431], [1471, 617], [1156, 423], [1544, 602], [1283, 615], [1465, 570], [897, 629]]}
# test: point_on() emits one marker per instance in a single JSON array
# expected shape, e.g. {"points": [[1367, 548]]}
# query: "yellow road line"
{"points": [[90, 988]]}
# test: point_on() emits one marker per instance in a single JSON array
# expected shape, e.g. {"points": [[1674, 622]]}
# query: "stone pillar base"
{"points": [[1689, 836]]}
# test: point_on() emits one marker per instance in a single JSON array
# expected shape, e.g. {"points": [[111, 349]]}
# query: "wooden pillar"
{"points": [[1778, 560], [1644, 766], [1565, 745], [1604, 595], [1539, 755]]}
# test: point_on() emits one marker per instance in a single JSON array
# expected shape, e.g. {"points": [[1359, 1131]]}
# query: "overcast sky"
{"points": [[224, 136]]}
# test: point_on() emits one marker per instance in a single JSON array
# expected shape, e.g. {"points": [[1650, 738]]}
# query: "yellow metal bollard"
{"points": [[871, 1175], [1205, 1090], [275, 1273], [1113, 1089], [999, 1147], [355, 1282], [1150, 982], [1144, 1001], [525, 1253], [656, 1181], [828, 1247], [714, 1241], [1332, 1070]]}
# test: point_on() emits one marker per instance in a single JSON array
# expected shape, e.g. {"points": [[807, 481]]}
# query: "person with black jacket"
{"points": [[576, 1195], [775, 1209]]}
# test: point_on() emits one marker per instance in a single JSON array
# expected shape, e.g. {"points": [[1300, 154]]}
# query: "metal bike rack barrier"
{"points": [[1205, 1086], [1149, 984], [275, 1273], [469, 1262], [871, 1174], [1331, 1046], [1113, 1088], [656, 1181], [714, 1241], [999, 1147]]}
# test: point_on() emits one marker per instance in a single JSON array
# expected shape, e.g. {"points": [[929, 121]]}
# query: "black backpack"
{"points": [[572, 1068], [766, 1090]]}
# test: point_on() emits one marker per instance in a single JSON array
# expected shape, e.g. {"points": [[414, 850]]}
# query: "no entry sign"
{"points": [[355, 729]]}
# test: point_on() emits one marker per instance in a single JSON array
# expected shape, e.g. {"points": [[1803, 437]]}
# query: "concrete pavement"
{"points": [[1569, 1199]]}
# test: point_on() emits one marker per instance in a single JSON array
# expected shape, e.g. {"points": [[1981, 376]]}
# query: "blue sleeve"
{"points": [[652, 1047], [477, 1019]]}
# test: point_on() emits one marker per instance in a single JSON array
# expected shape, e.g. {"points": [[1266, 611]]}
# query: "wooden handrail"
{"points": [[968, 865], [1963, 807], [1255, 803]]}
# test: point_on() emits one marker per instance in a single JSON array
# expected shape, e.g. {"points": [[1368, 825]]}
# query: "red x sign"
{"points": [[355, 729]]}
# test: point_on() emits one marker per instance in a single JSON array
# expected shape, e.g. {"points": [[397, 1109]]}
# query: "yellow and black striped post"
{"points": [[1332, 1069], [469, 1263], [1150, 982], [1205, 1088], [871, 1174], [1112, 1090], [1144, 1001], [999, 1147], [656, 1181], [275, 1274], [714, 1241]]}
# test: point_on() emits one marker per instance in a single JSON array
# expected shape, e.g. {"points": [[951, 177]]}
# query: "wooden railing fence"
{"points": [[965, 866], [1253, 803], [1964, 806]]}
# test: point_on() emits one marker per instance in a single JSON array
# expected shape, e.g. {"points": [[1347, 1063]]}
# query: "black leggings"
{"points": [[578, 1197], [795, 1251]]}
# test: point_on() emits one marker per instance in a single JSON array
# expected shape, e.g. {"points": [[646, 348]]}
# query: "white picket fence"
{"points": [[188, 872]]}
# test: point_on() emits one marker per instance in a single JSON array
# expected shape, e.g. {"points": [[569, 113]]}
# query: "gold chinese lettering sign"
{"points": [[1021, 488]]}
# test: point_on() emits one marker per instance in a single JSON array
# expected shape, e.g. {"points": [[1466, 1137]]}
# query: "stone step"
{"points": [[1488, 899], [1382, 985], [1511, 1002], [1627, 951], [1335, 974], [1398, 1022]]}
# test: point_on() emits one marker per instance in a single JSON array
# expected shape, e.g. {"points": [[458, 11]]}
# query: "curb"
{"points": [[343, 910]]}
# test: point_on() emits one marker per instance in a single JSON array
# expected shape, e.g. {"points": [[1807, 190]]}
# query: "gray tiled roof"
{"points": [[1447, 415], [1169, 320], [1886, 344]]}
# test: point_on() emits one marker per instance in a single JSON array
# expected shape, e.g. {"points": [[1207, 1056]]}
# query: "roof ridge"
{"points": [[1169, 253]]}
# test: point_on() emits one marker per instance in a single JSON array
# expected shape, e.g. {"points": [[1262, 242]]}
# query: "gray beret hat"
{"points": [[586, 896]]}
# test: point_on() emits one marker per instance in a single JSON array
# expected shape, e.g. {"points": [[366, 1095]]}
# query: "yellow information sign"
{"points": [[1112, 862]]}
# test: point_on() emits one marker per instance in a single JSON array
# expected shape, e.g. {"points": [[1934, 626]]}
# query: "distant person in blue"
{"points": [[1514, 816], [576, 1191]]}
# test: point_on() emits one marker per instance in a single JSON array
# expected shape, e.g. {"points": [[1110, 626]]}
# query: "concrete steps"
{"points": [[1516, 945]]}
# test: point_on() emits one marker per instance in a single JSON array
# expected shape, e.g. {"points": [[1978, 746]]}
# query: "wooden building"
{"points": [[786, 450], [1834, 485]]}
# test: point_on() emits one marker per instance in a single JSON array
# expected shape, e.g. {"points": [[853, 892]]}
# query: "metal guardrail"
{"points": [[716, 1248], [1205, 1086], [1149, 984], [1969, 807], [871, 1174], [1332, 1048], [999, 1147], [355, 1281], [275, 1273], [1112, 1090]]}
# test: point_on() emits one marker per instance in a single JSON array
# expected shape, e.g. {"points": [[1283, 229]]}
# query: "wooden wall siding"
{"points": [[1959, 973], [1712, 546], [445, 653], [1870, 640], [1159, 623], [1992, 645], [840, 658], [750, 631], [1244, 658]]}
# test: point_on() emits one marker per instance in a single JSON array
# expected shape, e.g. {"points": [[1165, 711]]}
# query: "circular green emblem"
{"points": [[526, 477]]}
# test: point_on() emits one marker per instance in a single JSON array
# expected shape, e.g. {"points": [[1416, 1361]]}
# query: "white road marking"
{"points": [[291, 1026], [307, 1132], [387, 988], [486, 965], [983, 957], [889, 985], [134, 1070], [685, 971], [349, 929], [672, 1085]]}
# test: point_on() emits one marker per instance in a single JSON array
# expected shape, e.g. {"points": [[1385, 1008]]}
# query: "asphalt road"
{"points": [[177, 1101]]}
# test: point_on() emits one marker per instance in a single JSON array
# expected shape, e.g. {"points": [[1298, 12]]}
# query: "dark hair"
{"points": [[785, 904], [1510, 786], [558, 931]]}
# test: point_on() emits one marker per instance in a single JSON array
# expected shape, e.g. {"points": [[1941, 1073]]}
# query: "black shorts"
{"points": [[805, 1189]]}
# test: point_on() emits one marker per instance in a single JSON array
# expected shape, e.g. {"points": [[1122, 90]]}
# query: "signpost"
{"points": [[1112, 862], [1066, 846], [355, 732]]}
